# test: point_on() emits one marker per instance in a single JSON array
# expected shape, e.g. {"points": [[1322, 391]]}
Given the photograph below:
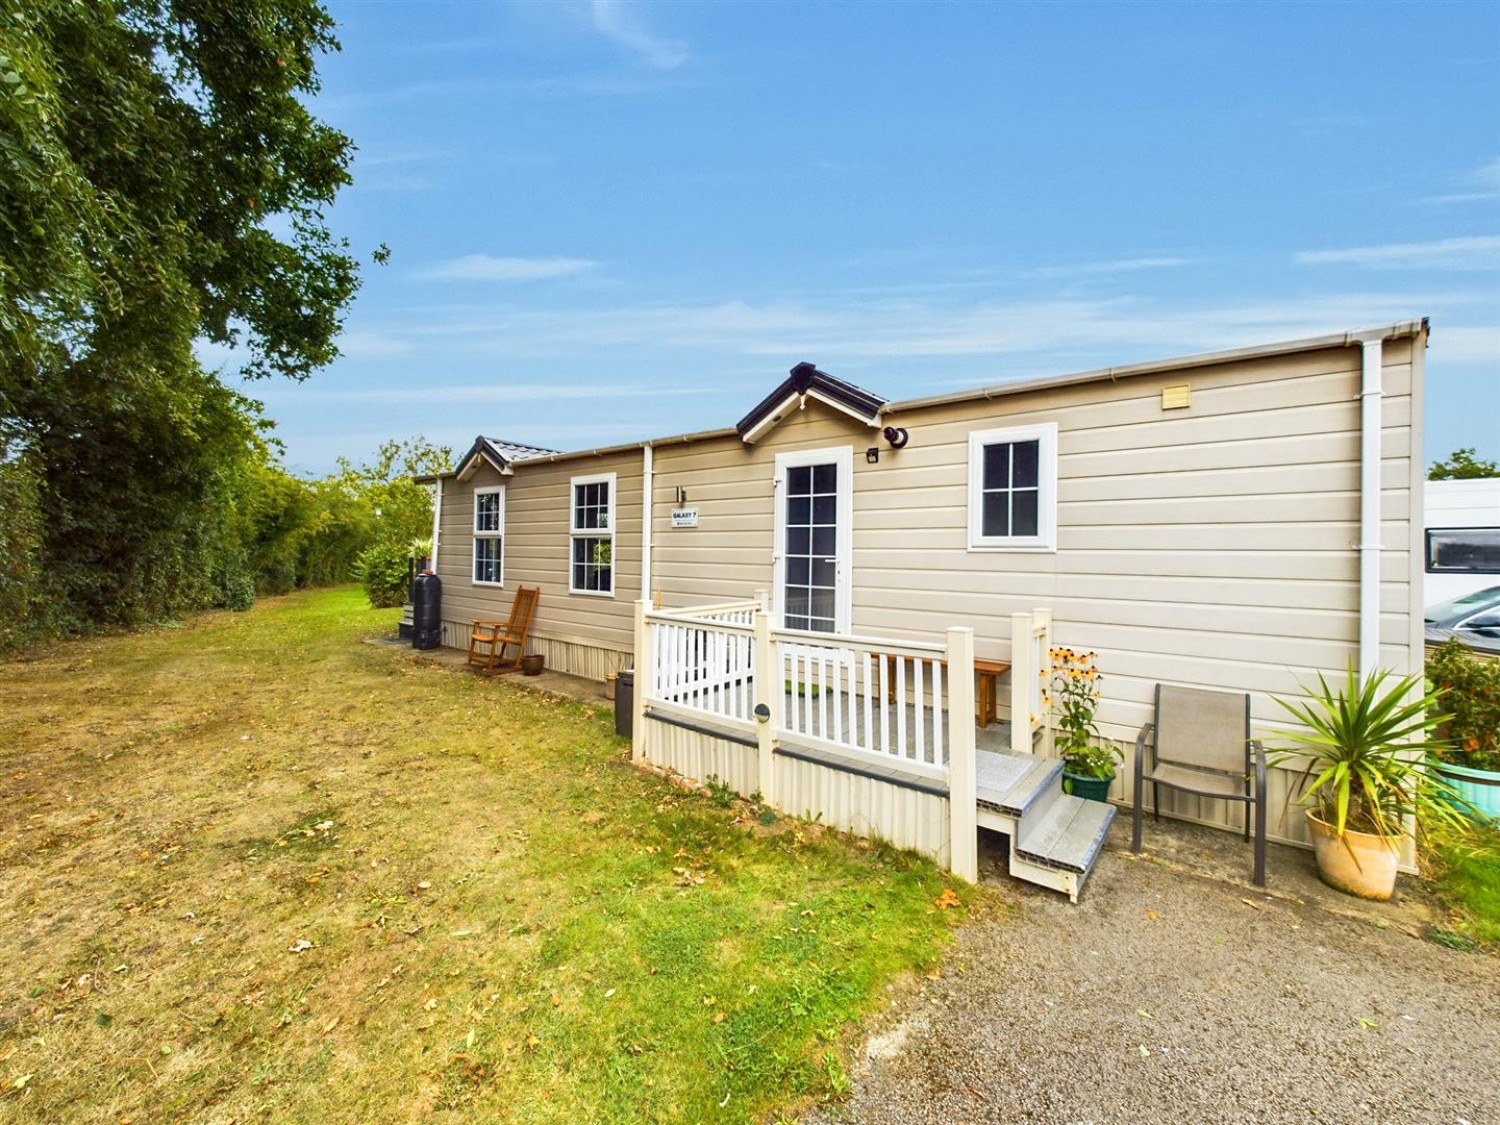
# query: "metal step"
{"points": [[1068, 836]]}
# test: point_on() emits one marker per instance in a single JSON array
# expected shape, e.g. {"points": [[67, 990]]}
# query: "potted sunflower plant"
{"points": [[1072, 694], [1361, 747]]}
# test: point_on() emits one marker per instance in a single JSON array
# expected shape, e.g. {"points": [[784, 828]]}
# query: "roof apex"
{"points": [[806, 381]]}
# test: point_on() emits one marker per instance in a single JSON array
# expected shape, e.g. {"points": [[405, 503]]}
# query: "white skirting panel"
{"points": [[588, 661], [864, 806], [701, 756]]}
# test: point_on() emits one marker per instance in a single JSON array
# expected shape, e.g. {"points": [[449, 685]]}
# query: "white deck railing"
{"points": [[703, 664], [883, 698], [853, 710]]}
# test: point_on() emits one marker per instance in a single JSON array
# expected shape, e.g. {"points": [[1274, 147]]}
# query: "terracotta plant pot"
{"points": [[1357, 863], [531, 664]]}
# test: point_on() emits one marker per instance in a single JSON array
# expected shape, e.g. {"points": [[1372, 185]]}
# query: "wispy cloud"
{"points": [[864, 331], [1482, 183], [1114, 266], [1481, 252], [483, 267], [617, 21], [462, 393]]}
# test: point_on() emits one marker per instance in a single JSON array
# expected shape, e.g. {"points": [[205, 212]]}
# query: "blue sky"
{"points": [[618, 220]]}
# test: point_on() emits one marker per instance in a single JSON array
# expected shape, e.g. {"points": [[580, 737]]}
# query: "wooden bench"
{"points": [[987, 675]]}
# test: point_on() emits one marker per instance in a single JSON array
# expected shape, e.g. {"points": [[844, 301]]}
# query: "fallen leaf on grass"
{"points": [[556, 1001], [1145, 1051], [1251, 905], [936, 974], [1145, 1015], [1367, 1024], [430, 1005], [947, 900], [718, 1017], [532, 1042], [20, 1083], [1151, 915], [331, 1024]]}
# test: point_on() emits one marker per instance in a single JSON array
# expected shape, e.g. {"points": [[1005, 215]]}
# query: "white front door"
{"points": [[814, 539]]}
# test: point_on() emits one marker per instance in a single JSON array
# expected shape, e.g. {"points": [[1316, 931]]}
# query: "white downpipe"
{"points": [[1369, 504], [437, 519], [647, 467]]}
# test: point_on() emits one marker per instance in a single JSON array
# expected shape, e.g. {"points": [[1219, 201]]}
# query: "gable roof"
{"points": [[807, 382], [497, 453]]}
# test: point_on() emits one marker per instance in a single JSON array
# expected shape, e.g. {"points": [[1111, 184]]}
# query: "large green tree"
{"points": [[161, 182]]}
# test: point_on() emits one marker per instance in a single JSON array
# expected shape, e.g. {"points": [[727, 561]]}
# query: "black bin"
{"points": [[625, 704], [426, 611]]}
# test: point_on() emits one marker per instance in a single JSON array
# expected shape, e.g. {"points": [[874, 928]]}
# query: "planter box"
{"points": [[1480, 788]]}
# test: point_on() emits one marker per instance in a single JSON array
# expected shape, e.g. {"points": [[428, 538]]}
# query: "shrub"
{"points": [[382, 571], [239, 591], [1472, 699]]}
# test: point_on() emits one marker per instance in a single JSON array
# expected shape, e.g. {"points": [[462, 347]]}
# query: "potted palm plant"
{"points": [[1362, 747], [1073, 696]]}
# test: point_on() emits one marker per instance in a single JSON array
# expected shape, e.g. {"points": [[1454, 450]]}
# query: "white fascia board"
{"points": [[764, 426]]}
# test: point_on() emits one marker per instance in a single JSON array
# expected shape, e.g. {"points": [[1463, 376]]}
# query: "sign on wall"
{"points": [[684, 517]]}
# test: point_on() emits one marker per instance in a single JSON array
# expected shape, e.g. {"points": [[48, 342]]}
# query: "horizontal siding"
{"points": [[577, 633], [1213, 546]]}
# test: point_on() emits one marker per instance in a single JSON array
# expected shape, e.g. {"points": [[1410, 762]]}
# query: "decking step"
{"points": [[1014, 783], [1069, 835]]}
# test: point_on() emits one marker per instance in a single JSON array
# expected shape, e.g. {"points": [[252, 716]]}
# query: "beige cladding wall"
{"points": [[578, 633], [1212, 546]]}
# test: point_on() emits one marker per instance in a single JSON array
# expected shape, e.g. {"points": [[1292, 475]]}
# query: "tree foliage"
{"points": [[1463, 464], [161, 182]]}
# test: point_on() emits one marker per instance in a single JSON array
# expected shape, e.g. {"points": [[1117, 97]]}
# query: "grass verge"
{"points": [[1467, 876], [258, 870]]}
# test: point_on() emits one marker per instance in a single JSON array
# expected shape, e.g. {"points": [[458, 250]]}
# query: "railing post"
{"points": [[1043, 661], [645, 667], [1022, 682], [963, 849], [768, 692]]}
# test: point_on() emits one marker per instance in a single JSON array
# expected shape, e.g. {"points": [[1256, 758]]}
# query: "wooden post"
{"points": [[645, 661], [768, 692], [963, 813]]}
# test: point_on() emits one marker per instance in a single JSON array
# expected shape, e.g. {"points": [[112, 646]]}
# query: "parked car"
{"points": [[1473, 618]]}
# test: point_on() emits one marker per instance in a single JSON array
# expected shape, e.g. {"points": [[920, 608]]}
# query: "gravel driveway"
{"points": [[1167, 996]]}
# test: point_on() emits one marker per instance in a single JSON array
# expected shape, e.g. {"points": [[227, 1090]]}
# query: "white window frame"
{"points": [[575, 532], [1045, 540], [477, 535]]}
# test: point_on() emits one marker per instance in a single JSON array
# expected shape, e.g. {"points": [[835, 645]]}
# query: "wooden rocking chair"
{"points": [[488, 640]]}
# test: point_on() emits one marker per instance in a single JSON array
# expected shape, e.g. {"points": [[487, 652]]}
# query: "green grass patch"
{"points": [[259, 870], [1468, 878]]}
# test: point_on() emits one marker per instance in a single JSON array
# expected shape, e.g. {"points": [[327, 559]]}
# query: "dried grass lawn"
{"points": [[256, 870]]}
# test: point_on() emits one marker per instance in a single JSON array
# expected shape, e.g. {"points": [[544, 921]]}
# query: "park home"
{"points": [[1237, 520]]}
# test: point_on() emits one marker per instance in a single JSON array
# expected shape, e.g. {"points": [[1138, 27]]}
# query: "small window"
{"points": [[592, 567], [1463, 550], [489, 531], [1013, 489]]}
